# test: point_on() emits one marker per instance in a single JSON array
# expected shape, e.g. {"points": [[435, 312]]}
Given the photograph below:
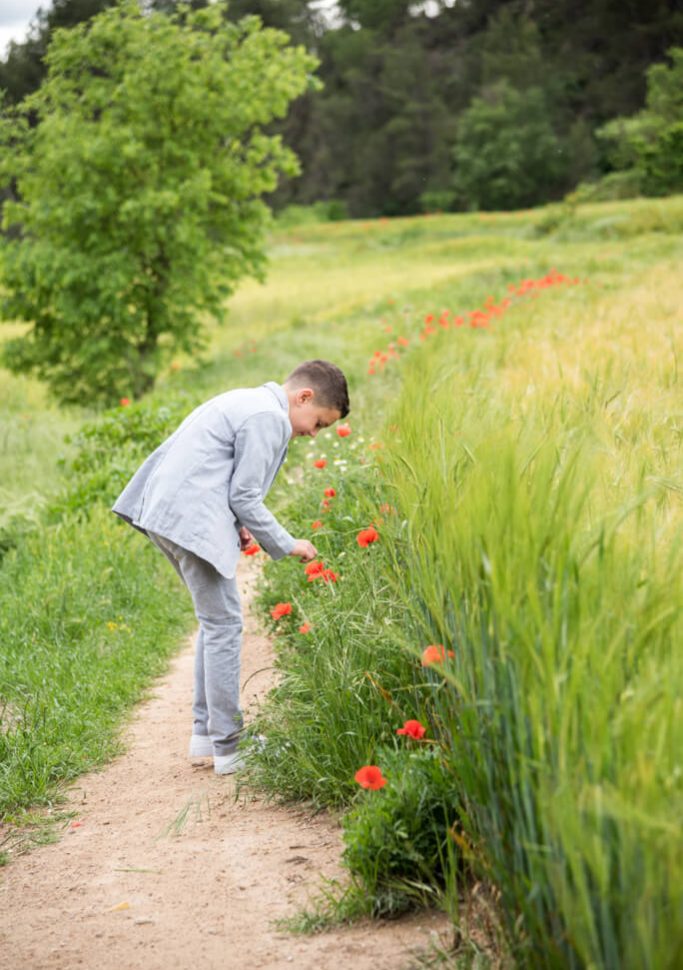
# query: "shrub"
{"points": [[610, 188], [649, 144], [110, 448], [399, 840], [507, 155]]}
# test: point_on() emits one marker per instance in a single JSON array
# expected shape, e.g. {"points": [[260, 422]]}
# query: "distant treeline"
{"points": [[455, 104]]}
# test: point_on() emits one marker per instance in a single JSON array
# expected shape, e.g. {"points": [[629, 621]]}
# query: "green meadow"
{"points": [[524, 480]]}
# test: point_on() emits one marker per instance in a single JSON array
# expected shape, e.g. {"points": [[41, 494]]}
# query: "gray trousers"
{"points": [[215, 709]]}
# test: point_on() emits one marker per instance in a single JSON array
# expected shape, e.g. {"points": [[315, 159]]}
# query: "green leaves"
{"points": [[650, 143], [507, 154], [140, 190]]}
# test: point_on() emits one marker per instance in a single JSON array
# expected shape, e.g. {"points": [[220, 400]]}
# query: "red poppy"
{"points": [[387, 509], [124, 402], [325, 504], [370, 776], [343, 430], [319, 463], [434, 654], [252, 549], [317, 524], [314, 569], [367, 536], [403, 341], [329, 576], [330, 493], [305, 628], [413, 729], [281, 609]]}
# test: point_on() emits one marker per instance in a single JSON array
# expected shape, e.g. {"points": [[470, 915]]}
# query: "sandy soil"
{"points": [[163, 868]]}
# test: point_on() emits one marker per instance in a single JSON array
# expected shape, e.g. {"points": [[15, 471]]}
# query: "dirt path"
{"points": [[167, 872]]}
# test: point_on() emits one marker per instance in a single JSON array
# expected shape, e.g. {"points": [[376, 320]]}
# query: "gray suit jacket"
{"points": [[211, 475]]}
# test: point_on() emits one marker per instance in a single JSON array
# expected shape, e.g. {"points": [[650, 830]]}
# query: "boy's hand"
{"points": [[246, 538], [304, 550]]}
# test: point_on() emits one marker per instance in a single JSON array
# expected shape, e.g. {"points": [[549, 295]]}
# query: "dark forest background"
{"points": [[471, 104]]}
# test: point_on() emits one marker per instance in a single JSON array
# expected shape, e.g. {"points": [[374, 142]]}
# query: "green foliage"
{"points": [[89, 614], [109, 449], [18, 519], [507, 155], [398, 840], [139, 191], [331, 210], [661, 163], [511, 50], [437, 200], [317, 738], [397, 77], [609, 188], [563, 606], [23, 69], [650, 143], [381, 15]]}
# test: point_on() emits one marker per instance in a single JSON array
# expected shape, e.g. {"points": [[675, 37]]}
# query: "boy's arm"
{"points": [[258, 443]]}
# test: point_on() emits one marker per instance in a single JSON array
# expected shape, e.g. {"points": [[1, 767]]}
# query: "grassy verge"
{"points": [[534, 466], [87, 619]]}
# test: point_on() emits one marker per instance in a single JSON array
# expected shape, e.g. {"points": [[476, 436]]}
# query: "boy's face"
{"points": [[307, 417]]}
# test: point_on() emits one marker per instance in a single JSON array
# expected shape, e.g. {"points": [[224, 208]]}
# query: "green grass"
{"points": [[563, 606], [537, 471], [87, 619]]}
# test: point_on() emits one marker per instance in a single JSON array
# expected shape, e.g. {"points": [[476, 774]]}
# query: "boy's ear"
{"points": [[305, 394]]}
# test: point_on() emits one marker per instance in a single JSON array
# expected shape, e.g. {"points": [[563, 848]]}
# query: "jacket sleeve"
{"points": [[259, 444]]}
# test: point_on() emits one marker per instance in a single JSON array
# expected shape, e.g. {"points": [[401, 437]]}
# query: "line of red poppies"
{"points": [[479, 318]]}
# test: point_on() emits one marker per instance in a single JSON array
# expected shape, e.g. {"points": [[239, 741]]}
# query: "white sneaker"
{"points": [[226, 764], [201, 746]]}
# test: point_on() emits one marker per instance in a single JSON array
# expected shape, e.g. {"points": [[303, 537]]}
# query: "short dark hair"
{"points": [[326, 380]]}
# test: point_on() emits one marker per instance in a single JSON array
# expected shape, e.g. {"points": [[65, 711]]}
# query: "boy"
{"points": [[199, 498]]}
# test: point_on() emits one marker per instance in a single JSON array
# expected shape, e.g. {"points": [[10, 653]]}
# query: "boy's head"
{"points": [[318, 396]]}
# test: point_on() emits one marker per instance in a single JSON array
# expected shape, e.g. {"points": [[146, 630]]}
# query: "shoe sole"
{"points": [[228, 769]]}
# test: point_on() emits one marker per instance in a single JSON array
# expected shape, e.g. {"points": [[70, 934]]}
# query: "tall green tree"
{"points": [[507, 155], [650, 143], [140, 190]]}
